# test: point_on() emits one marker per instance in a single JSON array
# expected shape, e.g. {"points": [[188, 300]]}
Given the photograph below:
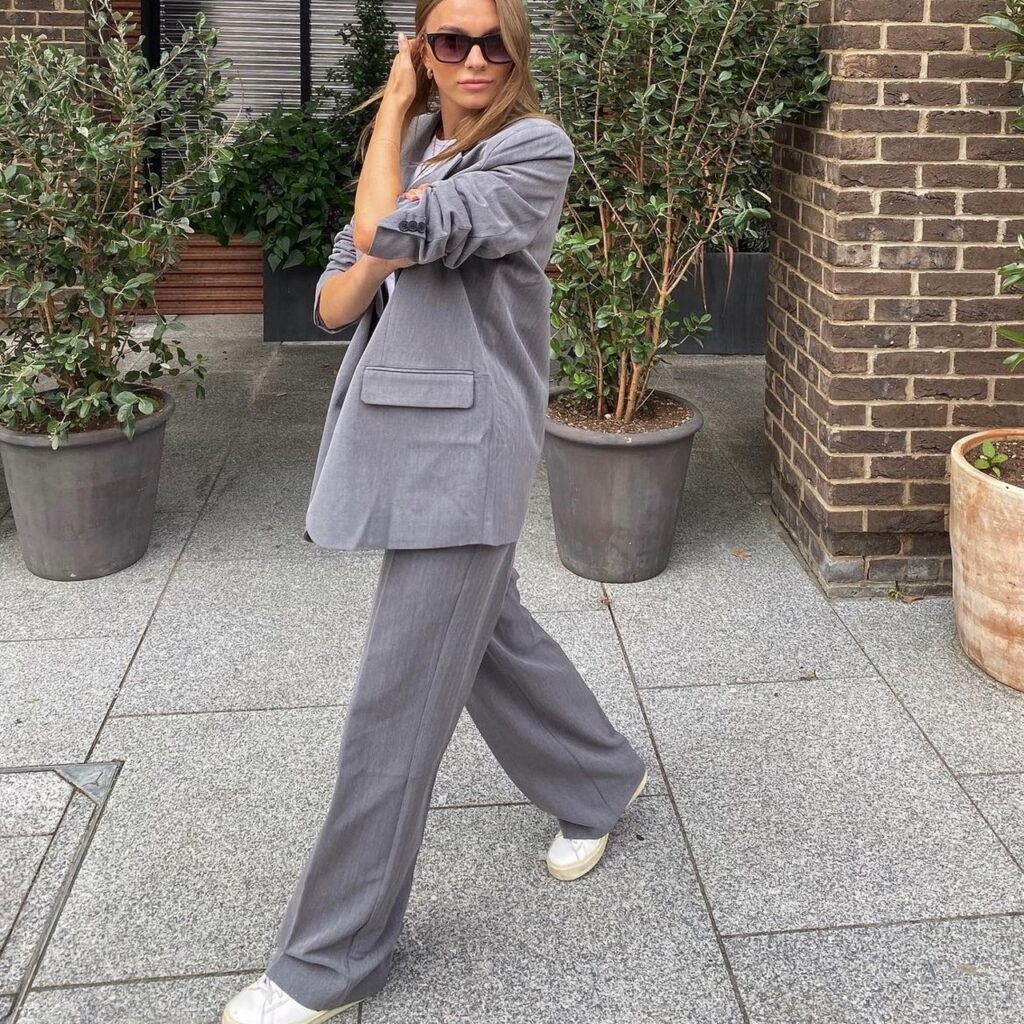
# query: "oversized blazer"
{"points": [[436, 421]]}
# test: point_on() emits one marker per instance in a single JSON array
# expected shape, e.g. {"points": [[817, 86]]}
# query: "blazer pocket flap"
{"points": [[400, 385]]}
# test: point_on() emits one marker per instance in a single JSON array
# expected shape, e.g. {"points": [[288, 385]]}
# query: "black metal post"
{"points": [[305, 53], [150, 29]]}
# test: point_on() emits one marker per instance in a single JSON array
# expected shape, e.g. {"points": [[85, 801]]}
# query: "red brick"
{"points": [[917, 257], [908, 467], [964, 65], [867, 10], [920, 94], [928, 38], [927, 148], [907, 363], [979, 416], [912, 414], [913, 310], [950, 387], [962, 11], [956, 284]]}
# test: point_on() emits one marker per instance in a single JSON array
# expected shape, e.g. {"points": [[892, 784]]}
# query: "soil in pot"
{"points": [[110, 421], [654, 413], [1012, 469]]}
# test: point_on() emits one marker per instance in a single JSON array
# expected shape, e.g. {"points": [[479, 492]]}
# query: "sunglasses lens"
{"points": [[450, 47], [495, 52]]}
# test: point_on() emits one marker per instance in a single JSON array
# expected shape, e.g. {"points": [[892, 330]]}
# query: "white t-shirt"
{"points": [[435, 145]]}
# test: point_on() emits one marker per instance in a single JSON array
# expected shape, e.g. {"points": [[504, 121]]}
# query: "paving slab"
{"points": [[208, 828], [941, 972], [252, 634], [120, 604], [976, 722], [1001, 799], [819, 803], [695, 623], [31, 802], [490, 936], [56, 693]]}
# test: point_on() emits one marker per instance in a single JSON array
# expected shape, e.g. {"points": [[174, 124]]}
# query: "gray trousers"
{"points": [[447, 630]]}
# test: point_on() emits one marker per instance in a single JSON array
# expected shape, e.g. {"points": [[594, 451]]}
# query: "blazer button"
{"points": [[403, 224]]}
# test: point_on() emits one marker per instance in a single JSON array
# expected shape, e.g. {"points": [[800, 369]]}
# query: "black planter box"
{"points": [[288, 306], [739, 318]]}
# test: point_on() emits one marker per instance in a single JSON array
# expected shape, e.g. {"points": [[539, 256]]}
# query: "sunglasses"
{"points": [[453, 47]]}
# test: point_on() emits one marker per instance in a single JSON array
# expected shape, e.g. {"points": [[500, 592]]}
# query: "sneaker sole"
{"points": [[318, 1019], [580, 868]]}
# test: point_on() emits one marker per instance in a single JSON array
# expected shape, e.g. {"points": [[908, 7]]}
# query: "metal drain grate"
{"points": [[48, 815]]}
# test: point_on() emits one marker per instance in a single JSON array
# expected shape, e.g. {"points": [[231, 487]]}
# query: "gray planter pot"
{"points": [[86, 509], [288, 306], [615, 498], [739, 315]]}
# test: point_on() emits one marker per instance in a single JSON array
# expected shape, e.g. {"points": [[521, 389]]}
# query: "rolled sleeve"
{"points": [[490, 210], [343, 255]]}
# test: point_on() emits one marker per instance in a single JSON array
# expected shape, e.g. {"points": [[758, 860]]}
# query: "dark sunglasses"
{"points": [[453, 47]]}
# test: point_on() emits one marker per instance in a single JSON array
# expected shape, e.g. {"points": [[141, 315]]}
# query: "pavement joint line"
{"points": [[862, 925], [666, 782], [789, 681], [989, 775]]}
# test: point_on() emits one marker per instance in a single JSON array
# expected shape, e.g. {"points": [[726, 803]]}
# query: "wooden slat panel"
{"points": [[212, 278]]}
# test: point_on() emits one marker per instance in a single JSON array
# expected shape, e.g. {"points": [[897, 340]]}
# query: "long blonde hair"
{"points": [[517, 98]]}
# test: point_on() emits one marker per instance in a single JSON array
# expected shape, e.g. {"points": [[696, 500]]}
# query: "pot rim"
{"points": [[641, 439], [956, 453], [84, 438]]}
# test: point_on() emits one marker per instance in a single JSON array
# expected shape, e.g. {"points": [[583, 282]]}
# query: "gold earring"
{"points": [[430, 74]]}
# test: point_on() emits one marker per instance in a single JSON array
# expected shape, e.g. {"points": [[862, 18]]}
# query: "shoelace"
{"points": [[272, 991]]}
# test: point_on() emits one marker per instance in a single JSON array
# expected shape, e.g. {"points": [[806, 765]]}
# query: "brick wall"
{"points": [[893, 209], [59, 20]]}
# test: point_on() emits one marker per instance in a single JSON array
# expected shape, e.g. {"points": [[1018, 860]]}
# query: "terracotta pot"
{"points": [[986, 534]]}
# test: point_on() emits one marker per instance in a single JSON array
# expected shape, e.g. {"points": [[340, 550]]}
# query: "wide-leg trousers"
{"points": [[447, 630]]}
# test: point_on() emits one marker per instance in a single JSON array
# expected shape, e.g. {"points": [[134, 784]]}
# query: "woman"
{"points": [[432, 438]]}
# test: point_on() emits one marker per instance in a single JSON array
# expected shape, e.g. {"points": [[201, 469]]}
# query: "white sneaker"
{"points": [[264, 1002], [570, 858]]}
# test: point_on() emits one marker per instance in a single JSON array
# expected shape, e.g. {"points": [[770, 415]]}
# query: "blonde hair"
{"points": [[517, 98]]}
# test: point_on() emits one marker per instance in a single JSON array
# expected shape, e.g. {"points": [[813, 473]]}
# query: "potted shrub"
{"points": [[292, 182], [986, 491], [288, 188], [85, 230], [670, 110]]}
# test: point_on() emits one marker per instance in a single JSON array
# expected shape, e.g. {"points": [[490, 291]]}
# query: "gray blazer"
{"points": [[436, 421]]}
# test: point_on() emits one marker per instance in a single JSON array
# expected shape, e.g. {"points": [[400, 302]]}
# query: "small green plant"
{"points": [[85, 230], [990, 459]]}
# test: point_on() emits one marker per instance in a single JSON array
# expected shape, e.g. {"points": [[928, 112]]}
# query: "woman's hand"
{"points": [[416, 192], [394, 264], [400, 88]]}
